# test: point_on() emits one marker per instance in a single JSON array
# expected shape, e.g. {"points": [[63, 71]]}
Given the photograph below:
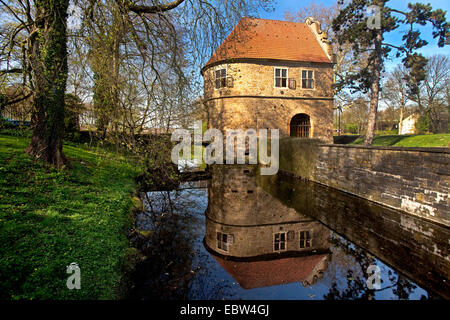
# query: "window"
{"points": [[307, 79], [279, 241], [281, 77], [221, 78], [305, 239], [224, 241]]}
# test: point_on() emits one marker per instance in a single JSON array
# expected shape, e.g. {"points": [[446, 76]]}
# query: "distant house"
{"points": [[18, 113], [408, 125], [87, 118], [272, 74]]}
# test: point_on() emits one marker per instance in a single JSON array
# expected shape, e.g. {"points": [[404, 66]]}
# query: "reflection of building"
{"points": [[257, 239]]}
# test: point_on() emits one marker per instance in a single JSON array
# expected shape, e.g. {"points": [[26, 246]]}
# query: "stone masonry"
{"points": [[413, 180], [251, 99]]}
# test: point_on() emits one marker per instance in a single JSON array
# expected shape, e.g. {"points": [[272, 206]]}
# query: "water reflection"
{"points": [[253, 237], [417, 249]]}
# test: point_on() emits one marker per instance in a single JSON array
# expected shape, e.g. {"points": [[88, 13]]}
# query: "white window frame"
{"points": [[300, 239], [228, 244], [275, 77], [226, 75], [285, 241], [313, 78]]}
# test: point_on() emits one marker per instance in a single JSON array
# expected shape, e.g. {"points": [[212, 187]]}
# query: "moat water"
{"points": [[245, 236]]}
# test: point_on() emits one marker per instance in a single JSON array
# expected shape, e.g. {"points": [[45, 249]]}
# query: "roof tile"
{"points": [[270, 39]]}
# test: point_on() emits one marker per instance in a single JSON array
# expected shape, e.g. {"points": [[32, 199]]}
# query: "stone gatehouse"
{"points": [[272, 74]]}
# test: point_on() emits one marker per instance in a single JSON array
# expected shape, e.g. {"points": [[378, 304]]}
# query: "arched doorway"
{"points": [[300, 126]]}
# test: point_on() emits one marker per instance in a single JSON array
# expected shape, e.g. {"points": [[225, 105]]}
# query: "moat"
{"points": [[241, 235]]}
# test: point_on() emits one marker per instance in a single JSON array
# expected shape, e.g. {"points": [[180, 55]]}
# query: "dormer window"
{"points": [[307, 79], [221, 78], [281, 77]]}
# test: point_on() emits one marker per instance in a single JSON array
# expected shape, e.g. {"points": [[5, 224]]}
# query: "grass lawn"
{"points": [[422, 140], [50, 218]]}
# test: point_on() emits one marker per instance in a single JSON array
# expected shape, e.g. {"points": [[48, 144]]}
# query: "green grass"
{"points": [[423, 140], [50, 218]]}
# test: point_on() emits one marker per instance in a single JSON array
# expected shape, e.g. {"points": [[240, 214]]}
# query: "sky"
{"points": [[281, 6]]}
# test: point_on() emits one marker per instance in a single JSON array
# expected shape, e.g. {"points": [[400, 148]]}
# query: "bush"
{"points": [[73, 109], [351, 128], [5, 124], [17, 131], [423, 124], [159, 173]]}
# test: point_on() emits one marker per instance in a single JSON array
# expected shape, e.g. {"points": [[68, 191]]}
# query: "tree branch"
{"points": [[154, 9], [15, 70], [395, 47], [17, 100]]}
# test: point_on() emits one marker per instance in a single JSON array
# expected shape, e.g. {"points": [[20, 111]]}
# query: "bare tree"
{"points": [[432, 96], [34, 45], [395, 92], [345, 64]]}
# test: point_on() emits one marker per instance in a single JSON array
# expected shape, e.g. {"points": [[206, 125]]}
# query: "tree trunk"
{"points": [[49, 64], [400, 124], [374, 90]]}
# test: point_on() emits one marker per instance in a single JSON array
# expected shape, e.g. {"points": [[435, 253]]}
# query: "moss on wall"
{"points": [[299, 155]]}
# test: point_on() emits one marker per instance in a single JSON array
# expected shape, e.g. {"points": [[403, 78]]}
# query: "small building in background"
{"points": [[408, 125]]}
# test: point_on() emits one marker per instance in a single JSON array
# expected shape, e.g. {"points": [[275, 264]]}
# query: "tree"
{"points": [[432, 94], [395, 92], [367, 35], [73, 108], [34, 45], [354, 117], [17, 104], [48, 58], [344, 62]]}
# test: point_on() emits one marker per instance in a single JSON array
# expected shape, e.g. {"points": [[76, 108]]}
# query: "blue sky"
{"points": [[281, 6]]}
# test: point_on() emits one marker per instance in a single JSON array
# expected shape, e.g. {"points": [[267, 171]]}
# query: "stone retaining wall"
{"points": [[414, 180]]}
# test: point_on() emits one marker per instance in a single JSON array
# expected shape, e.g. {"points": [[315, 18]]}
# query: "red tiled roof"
{"points": [[256, 274], [270, 39]]}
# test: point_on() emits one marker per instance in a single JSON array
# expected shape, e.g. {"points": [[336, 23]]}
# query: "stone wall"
{"points": [[415, 247], [254, 102], [257, 78], [414, 180]]}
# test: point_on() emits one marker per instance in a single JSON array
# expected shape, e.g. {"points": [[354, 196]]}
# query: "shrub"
{"points": [[17, 131], [351, 128], [73, 109], [5, 124], [423, 124]]}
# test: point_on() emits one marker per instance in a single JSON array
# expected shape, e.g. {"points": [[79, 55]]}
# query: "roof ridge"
{"points": [[259, 38], [276, 20]]}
